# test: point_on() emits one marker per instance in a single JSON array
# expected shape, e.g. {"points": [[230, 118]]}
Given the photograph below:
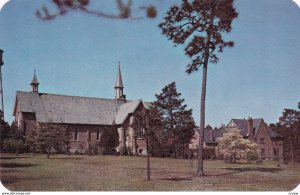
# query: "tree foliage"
{"points": [[199, 25], [109, 139], [14, 141], [124, 10], [233, 146], [178, 122], [149, 119], [288, 126], [4, 130], [53, 137]]}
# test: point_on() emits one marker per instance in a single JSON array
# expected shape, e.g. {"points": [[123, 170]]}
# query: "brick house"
{"points": [[209, 143], [85, 117], [270, 144]]}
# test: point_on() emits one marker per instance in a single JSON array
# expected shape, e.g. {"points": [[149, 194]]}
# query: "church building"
{"points": [[85, 117]]}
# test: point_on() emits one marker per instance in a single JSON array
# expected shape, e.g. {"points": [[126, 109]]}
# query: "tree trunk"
{"points": [[148, 155], [200, 171], [292, 150]]}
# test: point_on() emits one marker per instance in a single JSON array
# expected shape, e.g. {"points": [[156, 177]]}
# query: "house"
{"points": [[86, 118], [270, 144], [209, 143]]}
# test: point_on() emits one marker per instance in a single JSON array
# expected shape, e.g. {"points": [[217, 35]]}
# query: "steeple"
{"points": [[119, 85], [34, 83]]}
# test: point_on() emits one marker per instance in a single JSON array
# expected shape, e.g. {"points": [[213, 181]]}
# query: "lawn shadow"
{"points": [[12, 157], [15, 165], [259, 169], [176, 178], [65, 158], [247, 169]]}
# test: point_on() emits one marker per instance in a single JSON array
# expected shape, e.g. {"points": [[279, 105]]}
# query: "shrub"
{"points": [[251, 156], [12, 145], [258, 161]]}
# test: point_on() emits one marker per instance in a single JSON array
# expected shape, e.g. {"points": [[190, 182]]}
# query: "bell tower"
{"points": [[119, 85], [34, 83]]}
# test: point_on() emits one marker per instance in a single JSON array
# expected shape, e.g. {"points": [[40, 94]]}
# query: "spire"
{"points": [[34, 83], [119, 85]]}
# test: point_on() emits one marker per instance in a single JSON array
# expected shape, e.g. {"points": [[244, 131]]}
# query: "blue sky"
{"points": [[77, 54]]}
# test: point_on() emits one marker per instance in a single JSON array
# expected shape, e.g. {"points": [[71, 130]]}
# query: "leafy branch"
{"points": [[65, 6]]}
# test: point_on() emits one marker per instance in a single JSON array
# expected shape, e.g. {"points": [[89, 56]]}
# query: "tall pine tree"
{"points": [[199, 25], [177, 120]]}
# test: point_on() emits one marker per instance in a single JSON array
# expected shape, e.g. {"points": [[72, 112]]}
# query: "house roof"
{"points": [[242, 124], [272, 133], [215, 134], [52, 108]]}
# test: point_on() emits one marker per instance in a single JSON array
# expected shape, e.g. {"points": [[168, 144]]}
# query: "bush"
{"points": [[258, 161], [251, 156], [208, 153], [13, 146]]}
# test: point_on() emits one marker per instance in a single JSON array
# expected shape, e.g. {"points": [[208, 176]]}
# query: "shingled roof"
{"points": [[242, 124], [52, 108], [125, 110]]}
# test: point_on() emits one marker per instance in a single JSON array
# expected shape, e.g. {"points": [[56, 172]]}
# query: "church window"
{"points": [[76, 135], [89, 135], [140, 132], [25, 128], [262, 140], [98, 134]]}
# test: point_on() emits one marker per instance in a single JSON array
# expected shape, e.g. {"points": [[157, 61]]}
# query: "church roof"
{"points": [[52, 108], [125, 110]]}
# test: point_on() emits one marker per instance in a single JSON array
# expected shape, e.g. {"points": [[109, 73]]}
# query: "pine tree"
{"points": [[289, 127], [4, 130], [177, 119], [53, 137], [109, 139], [199, 25]]}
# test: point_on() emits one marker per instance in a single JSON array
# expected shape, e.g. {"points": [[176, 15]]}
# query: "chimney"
{"points": [[250, 129]]}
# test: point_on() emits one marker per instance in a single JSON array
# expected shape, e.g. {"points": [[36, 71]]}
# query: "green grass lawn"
{"points": [[111, 173]]}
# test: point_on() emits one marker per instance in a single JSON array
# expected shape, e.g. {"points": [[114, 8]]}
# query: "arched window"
{"points": [[98, 134], [76, 135]]}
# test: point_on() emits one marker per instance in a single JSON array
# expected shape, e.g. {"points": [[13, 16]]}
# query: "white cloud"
{"points": [[297, 2], [2, 2]]}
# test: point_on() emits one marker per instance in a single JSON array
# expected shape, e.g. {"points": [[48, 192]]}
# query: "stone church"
{"points": [[85, 117]]}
